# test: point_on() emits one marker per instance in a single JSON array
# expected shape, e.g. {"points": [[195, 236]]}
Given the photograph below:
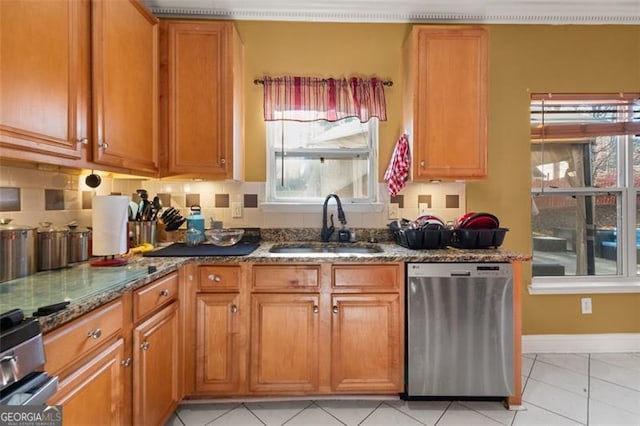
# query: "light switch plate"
{"points": [[236, 209], [424, 208], [394, 211]]}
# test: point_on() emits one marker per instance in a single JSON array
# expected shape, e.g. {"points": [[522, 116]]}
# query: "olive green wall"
{"points": [[323, 50], [523, 59], [527, 59]]}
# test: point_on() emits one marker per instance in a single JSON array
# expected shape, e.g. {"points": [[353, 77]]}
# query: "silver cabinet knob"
{"points": [[234, 309], [126, 362], [83, 141], [144, 346], [103, 145], [316, 309], [215, 278], [423, 164], [94, 334], [335, 309], [164, 293], [223, 161]]}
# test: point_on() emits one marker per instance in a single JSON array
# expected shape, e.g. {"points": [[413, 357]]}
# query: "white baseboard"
{"points": [[581, 343]]}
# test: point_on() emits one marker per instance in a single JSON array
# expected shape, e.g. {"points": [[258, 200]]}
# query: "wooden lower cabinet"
{"points": [[217, 325], [155, 367], [284, 343], [296, 329], [366, 345], [94, 393]]}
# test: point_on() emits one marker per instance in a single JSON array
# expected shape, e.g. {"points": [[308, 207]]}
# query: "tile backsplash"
{"points": [[30, 195]]}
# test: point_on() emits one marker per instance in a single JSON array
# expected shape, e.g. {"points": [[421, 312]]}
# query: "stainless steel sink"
{"points": [[311, 248]]}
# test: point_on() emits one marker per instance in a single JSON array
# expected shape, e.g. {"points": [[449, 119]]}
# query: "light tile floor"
{"points": [[558, 389]]}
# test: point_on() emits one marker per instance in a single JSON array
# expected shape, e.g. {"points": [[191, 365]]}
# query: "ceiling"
{"points": [[477, 11]]}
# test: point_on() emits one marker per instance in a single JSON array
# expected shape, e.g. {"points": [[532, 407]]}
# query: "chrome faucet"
{"points": [[328, 230]]}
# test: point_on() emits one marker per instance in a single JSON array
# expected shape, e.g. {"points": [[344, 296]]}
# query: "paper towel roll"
{"points": [[109, 219]]}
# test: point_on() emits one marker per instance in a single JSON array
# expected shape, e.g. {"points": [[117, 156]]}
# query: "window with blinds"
{"points": [[585, 174]]}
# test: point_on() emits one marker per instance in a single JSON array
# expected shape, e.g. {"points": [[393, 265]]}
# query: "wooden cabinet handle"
{"points": [[144, 346], [214, 277], [316, 309], [94, 334], [126, 362], [335, 309], [164, 293], [234, 309]]}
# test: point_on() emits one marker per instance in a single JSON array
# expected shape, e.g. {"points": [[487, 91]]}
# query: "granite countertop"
{"points": [[87, 287]]}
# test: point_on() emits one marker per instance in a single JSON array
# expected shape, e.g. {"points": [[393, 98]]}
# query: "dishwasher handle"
{"points": [[460, 273]]}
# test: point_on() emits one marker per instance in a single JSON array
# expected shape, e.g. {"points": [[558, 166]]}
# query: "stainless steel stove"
{"points": [[22, 381]]}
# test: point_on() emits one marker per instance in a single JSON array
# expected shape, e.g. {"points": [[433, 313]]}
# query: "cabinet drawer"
{"points": [[76, 339], [158, 293], [219, 278], [366, 276], [280, 277]]}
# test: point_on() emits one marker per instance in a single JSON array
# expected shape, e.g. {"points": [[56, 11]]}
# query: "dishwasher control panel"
{"points": [[459, 270]]}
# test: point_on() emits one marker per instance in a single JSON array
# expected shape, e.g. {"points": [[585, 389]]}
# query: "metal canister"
{"points": [[78, 247], [51, 247], [17, 244]]}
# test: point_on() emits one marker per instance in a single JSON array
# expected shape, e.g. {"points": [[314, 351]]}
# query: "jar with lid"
{"points": [[51, 247], [17, 245]]}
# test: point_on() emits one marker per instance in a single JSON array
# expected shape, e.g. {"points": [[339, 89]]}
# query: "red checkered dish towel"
{"points": [[397, 172]]}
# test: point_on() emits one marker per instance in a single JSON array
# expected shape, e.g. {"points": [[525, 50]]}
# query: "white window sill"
{"points": [[587, 285], [271, 207]]}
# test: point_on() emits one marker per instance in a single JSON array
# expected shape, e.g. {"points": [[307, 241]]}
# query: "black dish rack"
{"points": [[421, 239]]}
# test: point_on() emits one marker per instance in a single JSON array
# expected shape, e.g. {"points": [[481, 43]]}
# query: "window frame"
{"points": [[273, 135], [628, 278]]}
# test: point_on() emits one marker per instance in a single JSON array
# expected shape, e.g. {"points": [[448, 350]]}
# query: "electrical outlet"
{"points": [[424, 208], [394, 211], [585, 304], [236, 209]]}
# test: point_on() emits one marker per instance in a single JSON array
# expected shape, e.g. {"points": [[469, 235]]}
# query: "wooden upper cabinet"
{"points": [[44, 78], [201, 92], [445, 101], [125, 85]]}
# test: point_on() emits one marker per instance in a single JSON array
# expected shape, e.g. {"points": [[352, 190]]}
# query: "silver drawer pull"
{"points": [[94, 334], [214, 277], [144, 346], [164, 293]]}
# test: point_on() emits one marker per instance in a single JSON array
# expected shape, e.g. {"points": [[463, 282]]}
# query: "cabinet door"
{"points": [[95, 392], [284, 343], [200, 92], [155, 367], [217, 327], [44, 77], [125, 85], [366, 344], [450, 89]]}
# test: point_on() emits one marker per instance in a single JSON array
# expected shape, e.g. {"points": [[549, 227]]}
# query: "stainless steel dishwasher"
{"points": [[459, 329]]}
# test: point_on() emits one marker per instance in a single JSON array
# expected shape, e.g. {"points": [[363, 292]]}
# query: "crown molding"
{"points": [[628, 15]]}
